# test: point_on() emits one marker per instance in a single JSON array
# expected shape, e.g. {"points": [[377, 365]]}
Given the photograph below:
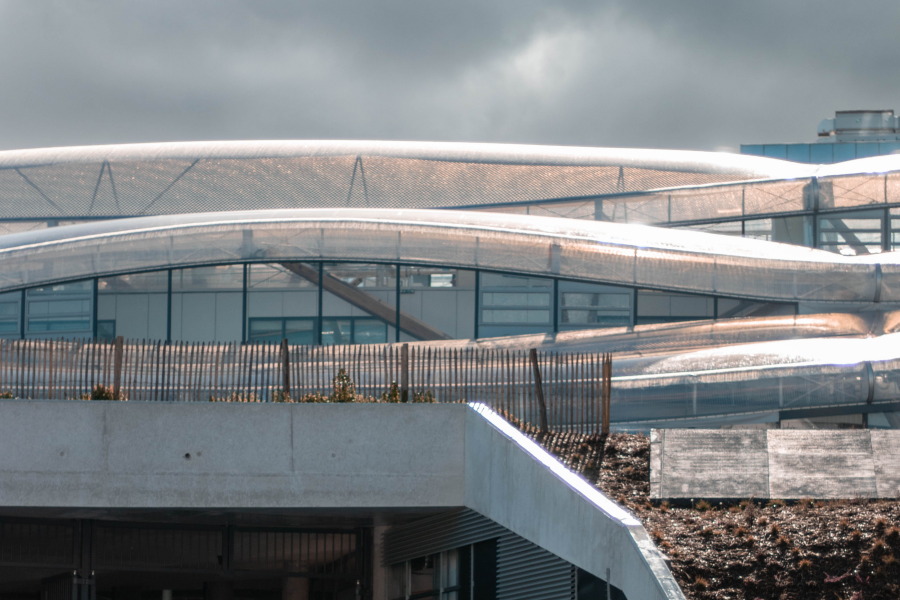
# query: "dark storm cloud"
{"points": [[688, 74]]}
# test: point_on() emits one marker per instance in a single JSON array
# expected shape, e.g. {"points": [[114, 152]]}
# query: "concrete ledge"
{"points": [[774, 463], [232, 456]]}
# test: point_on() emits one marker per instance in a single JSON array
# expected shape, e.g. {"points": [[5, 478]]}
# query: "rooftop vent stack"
{"points": [[860, 126]]}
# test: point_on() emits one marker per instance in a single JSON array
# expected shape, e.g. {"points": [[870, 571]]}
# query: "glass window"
{"points": [[666, 307], [433, 577], [729, 308], [436, 303], [60, 310], [133, 305], [295, 331], [354, 330], [586, 306], [106, 330], [358, 303], [788, 230], [895, 228], [852, 233], [424, 576], [207, 304], [9, 314], [515, 305]]}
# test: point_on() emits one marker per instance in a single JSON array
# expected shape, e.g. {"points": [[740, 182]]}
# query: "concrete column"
{"points": [[295, 588], [219, 590], [379, 572], [167, 595]]}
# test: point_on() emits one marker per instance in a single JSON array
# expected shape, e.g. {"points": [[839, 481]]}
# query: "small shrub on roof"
{"points": [[104, 392]]}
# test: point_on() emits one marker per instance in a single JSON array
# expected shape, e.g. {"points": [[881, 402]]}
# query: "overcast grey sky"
{"points": [[696, 74]]}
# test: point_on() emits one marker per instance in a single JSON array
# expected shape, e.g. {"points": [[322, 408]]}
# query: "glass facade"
{"points": [[283, 302], [207, 304], [329, 303], [440, 301], [133, 306], [359, 303]]}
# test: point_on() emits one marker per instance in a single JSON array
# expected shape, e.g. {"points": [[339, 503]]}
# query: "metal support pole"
{"points": [[477, 301], [319, 307], [22, 316], [556, 305], [95, 289], [244, 303], [169, 307], [397, 297]]}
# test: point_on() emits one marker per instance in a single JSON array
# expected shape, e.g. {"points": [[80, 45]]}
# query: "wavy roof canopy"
{"points": [[678, 260], [171, 178]]}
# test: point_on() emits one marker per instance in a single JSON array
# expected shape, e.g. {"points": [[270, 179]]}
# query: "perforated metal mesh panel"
{"points": [[146, 547], [32, 543], [319, 553]]}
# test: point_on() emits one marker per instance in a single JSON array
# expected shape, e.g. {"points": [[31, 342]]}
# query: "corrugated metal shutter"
{"points": [[528, 572], [439, 533], [525, 571]]}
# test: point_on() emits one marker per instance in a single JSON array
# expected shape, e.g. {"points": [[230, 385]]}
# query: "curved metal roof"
{"points": [[171, 178], [680, 260]]}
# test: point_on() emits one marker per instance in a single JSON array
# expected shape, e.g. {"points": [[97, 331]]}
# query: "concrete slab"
{"points": [[52, 437], [886, 455], [820, 464], [712, 464]]}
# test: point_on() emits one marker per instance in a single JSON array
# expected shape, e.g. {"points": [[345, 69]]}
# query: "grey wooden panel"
{"points": [[820, 464], [699, 463], [886, 456]]}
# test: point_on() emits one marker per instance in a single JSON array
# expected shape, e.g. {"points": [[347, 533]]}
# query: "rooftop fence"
{"points": [[567, 397], [556, 391]]}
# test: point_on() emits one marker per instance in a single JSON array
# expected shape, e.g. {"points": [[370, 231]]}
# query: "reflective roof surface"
{"points": [[169, 178]]}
